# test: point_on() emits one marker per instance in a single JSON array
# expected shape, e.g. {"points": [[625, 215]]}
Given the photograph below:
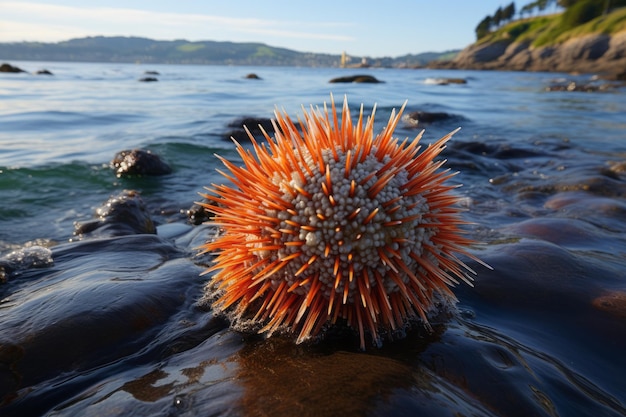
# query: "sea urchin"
{"points": [[330, 222]]}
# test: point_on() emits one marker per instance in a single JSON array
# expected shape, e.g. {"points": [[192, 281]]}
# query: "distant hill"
{"points": [[135, 49]]}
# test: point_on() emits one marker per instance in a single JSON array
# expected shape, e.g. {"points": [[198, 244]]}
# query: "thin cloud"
{"points": [[38, 21]]}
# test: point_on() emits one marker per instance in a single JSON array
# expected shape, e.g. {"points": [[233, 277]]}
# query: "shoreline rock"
{"points": [[597, 53]]}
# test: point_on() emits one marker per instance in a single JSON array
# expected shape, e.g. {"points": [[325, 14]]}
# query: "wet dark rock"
{"points": [[122, 214], [599, 185], [252, 76], [148, 79], [254, 125], [22, 259], [419, 118], [197, 214], [10, 68], [137, 162], [580, 86], [356, 79], [618, 167], [601, 211], [566, 232], [151, 72], [102, 301], [525, 274], [43, 72], [112, 329]]}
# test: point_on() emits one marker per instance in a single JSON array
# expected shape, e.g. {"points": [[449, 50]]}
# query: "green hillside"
{"points": [[557, 28]]}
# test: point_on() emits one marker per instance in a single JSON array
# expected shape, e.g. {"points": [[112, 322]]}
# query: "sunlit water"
{"points": [[109, 325]]}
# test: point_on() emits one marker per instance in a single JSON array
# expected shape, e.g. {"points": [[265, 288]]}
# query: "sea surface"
{"points": [[107, 324]]}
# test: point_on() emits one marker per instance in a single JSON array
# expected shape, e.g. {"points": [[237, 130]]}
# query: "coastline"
{"points": [[595, 54]]}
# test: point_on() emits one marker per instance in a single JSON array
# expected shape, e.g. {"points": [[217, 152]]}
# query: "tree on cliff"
{"points": [[542, 5], [509, 11], [499, 17], [484, 27]]}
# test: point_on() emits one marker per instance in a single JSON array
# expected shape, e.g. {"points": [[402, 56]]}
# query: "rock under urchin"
{"points": [[329, 221]]}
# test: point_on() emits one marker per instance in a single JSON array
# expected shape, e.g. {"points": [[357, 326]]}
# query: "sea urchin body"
{"points": [[330, 222]]}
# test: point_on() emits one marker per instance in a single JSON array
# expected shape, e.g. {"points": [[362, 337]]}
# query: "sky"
{"points": [[360, 28]]}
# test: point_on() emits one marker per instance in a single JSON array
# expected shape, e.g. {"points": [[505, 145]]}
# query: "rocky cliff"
{"points": [[596, 53]]}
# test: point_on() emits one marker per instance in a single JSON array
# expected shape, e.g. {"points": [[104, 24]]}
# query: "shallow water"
{"points": [[109, 325]]}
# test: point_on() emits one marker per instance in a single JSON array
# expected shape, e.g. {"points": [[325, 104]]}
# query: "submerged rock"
{"points": [[138, 162], [43, 72], [613, 302], [148, 79]]}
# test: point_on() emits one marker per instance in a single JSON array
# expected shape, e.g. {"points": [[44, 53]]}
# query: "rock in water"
{"points": [[138, 162]]}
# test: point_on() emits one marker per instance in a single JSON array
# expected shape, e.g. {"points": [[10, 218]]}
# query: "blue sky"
{"points": [[362, 28]]}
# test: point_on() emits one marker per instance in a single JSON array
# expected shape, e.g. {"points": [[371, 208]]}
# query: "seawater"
{"points": [[543, 177]]}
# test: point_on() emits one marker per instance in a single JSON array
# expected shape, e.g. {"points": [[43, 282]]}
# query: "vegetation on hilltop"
{"points": [[578, 18]]}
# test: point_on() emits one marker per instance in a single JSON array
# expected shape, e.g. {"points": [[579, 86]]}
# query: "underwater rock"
{"points": [[569, 233], [613, 303], [43, 72], [151, 72], [138, 162], [122, 214]]}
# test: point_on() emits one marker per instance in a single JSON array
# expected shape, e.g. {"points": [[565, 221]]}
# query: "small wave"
{"points": [[47, 120]]}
